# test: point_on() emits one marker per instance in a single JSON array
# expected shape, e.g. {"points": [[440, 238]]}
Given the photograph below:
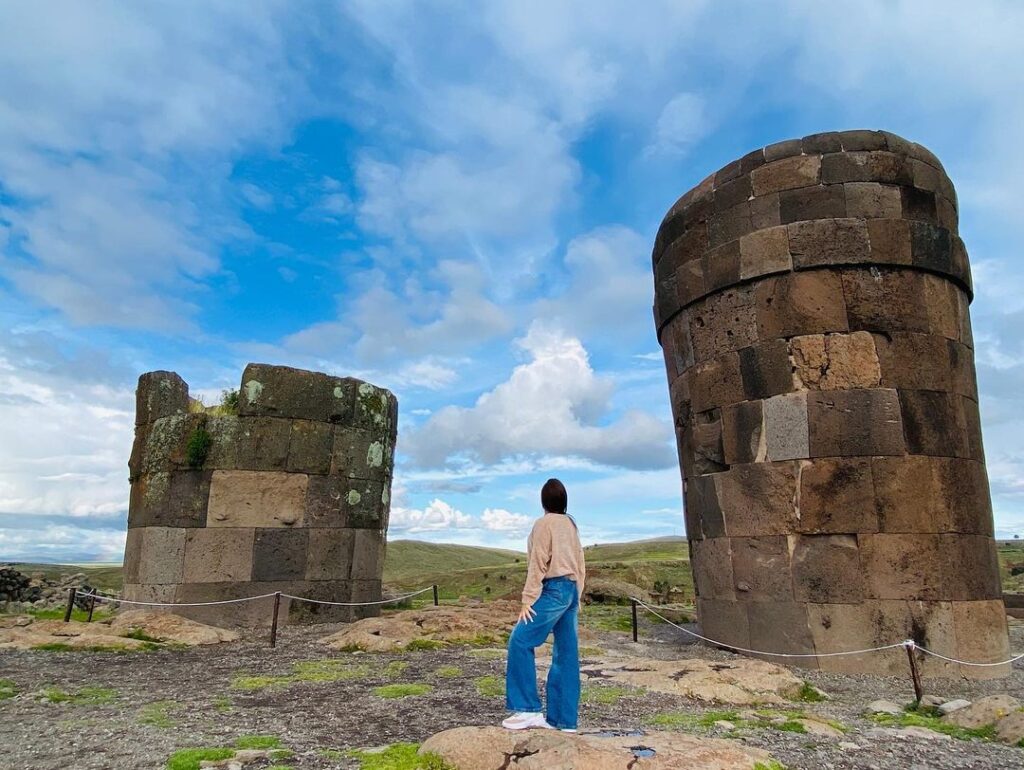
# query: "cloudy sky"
{"points": [[453, 200]]}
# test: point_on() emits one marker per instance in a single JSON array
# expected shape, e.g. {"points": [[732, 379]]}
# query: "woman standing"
{"points": [[551, 601]]}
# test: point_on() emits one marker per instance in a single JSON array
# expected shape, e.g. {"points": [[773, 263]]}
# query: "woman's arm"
{"points": [[538, 561]]}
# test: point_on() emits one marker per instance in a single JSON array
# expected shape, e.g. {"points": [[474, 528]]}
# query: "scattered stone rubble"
{"points": [[1003, 713], [20, 592]]}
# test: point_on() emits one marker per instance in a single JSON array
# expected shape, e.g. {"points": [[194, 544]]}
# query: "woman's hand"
{"points": [[526, 614]]}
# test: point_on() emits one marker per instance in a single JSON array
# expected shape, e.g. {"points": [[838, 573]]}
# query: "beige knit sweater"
{"points": [[553, 550]]}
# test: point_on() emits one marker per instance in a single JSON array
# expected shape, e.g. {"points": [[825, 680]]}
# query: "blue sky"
{"points": [[453, 200]]}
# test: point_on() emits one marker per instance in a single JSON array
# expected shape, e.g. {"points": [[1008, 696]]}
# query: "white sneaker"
{"points": [[567, 729], [523, 720]]}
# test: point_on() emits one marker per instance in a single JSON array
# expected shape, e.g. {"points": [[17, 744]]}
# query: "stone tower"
{"points": [[290, 494], [812, 304]]}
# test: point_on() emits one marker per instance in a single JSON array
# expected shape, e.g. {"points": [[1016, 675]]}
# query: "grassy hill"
{"points": [[410, 559]]}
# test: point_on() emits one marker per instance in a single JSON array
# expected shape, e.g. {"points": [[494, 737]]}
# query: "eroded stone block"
{"points": [[724, 621], [161, 558], [765, 251], [786, 174], [330, 554], [758, 499], [361, 454], [835, 361], [821, 242], [766, 369], [786, 427], [257, 499], [782, 627], [281, 391], [871, 200], [854, 422], [712, 568], [837, 496], [971, 568], [742, 435], [901, 566], [827, 569], [991, 647], [309, 450], [934, 423], [800, 303], [885, 300], [160, 394], [818, 202], [715, 383], [368, 555], [280, 554], [215, 555], [761, 570]]}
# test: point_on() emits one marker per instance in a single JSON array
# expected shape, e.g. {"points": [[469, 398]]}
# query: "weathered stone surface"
{"points": [[837, 496], [281, 391], [974, 644], [326, 504], [742, 434], [724, 621], [854, 422], [280, 554], [763, 252], [984, 711], [715, 383], [780, 150], [1010, 728], [161, 555], [309, 450], [214, 555], [786, 174], [330, 554], [702, 502], [818, 202], [877, 166], [761, 570], [845, 628], [871, 200], [909, 496], [368, 555], [827, 569], [782, 626], [972, 567], [365, 504], [890, 241], [257, 499], [263, 444], [712, 568], [485, 748], [820, 242], [757, 499], [766, 369], [901, 566], [177, 499], [800, 303], [361, 454], [884, 300], [728, 225], [934, 423], [835, 361], [721, 266], [786, 433], [165, 627], [160, 394], [726, 321]]}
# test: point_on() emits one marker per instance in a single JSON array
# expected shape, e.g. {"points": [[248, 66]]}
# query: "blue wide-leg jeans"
{"points": [[557, 610]]}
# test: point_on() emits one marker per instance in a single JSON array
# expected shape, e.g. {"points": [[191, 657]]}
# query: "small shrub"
{"points": [[198, 447], [229, 401], [141, 635], [258, 742], [396, 691], [490, 686], [771, 764], [189, 759], [7, 689], [913, 718], [808, 693], [395, 669], [87, 696]]}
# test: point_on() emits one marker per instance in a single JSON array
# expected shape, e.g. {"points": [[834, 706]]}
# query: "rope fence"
{"points": [[95, 596]]}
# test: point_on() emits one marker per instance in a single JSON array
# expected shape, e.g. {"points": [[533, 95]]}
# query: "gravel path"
{"points": [[193, 690]]}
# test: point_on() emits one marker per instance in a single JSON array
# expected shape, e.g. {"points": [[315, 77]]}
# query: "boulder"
{"points": [[985, 711], [1010, 729], [741, 681], [952, 705], [609, 591], [165, 627], [884, 707], [486, 748], [27, 633], [819, 728]]}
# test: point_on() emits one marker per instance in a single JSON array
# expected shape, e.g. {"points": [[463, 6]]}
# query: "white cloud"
{"points": [[437, 515], [551, 405], [500, 520], [682, 123]]}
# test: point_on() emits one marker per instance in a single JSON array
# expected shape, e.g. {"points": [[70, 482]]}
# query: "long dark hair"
{"points": [[555, 499]]}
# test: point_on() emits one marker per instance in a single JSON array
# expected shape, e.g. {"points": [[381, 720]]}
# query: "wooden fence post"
{"points": [[273, 625], [633, 602], [71, 603]]}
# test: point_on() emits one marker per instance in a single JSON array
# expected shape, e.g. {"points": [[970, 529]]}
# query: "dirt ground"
{"points": [[153, 703]]}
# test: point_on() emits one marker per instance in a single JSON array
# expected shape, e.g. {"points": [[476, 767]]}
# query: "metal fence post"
{"points": [[71, 603], [273, 625]]}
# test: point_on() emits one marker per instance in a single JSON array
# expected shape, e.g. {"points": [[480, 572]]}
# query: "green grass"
{"points": [[395, 668], [771, 764], [105, 577], [490, 686], [396, 691], [86, 696], [590, 652], [325, 670], [141, 635], [610, 618], [57, 613], [399, 756], [412, 559], [424, 644], [158, 714], [915, 718], [121, 649], [257, 742], [808, 693], [189, 759], [688, 721], [332, 754], [7, 689], [222, 704], [448, 672], [700, 722], [488, 654], [606, 694]]}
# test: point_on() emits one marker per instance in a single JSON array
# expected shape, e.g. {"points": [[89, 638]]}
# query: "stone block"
{"points": [[847, 423], [885, 300], [281, 391], [721, 266], [877, 166], [132, 552], [925, 176], [821, 242], [848, 627], [729, 225], [863, 140], [160, 394], [325, 504], [280, 554], [919, 205], [366, 591], [871, 200], [263, 444], [946, 214], [728, 172], [309, 450], [330, 554], [786, 429], [703, 507], [819, 202], [665, 301], [766, 369], [251, 614], [361, 454], [971, 568], [752, 160], [365, 504], [943, 304], [786, 174], [890, 241], [187, 500], [758, 499], [781, 627], [165, 444], [301, 613], [934, 423], [148, 500], [742, 435], [835, 361], [763, 252], [981, 637], [961, 268], [765, 212], [690, 284], [215, 555], [915, 361], [779, 150], [901, 566], [712, 568], [909, 497], [257, 499], [732, 192], [715, 383], [826, 141], [837, 496], [827, 569], [761, 570], [964, 379], [690, 245], [963, 486], [226, 437], [161, 593], [931, 247], [800, 303], [723, 322], [368, 554], [928, 623], [706, 447], [724, 621], [161, 558], [972, 422]]}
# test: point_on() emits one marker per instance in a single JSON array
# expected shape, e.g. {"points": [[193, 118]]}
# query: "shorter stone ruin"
{"points": [[288, 492]]}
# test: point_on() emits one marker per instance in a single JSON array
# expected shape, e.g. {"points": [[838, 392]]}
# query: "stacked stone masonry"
{"points": [[812, 305], [290, 494]]}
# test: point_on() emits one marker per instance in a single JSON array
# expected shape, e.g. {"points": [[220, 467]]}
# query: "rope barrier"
{"points": [[967, 662], [359, 604], [115, 599]]}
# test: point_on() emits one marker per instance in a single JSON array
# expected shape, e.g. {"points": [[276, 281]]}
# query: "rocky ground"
{"points": [[92, 710]]}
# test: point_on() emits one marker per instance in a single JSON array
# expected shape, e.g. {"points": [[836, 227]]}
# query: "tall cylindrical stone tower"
{"points": [[812, 305], [289, 492]]}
